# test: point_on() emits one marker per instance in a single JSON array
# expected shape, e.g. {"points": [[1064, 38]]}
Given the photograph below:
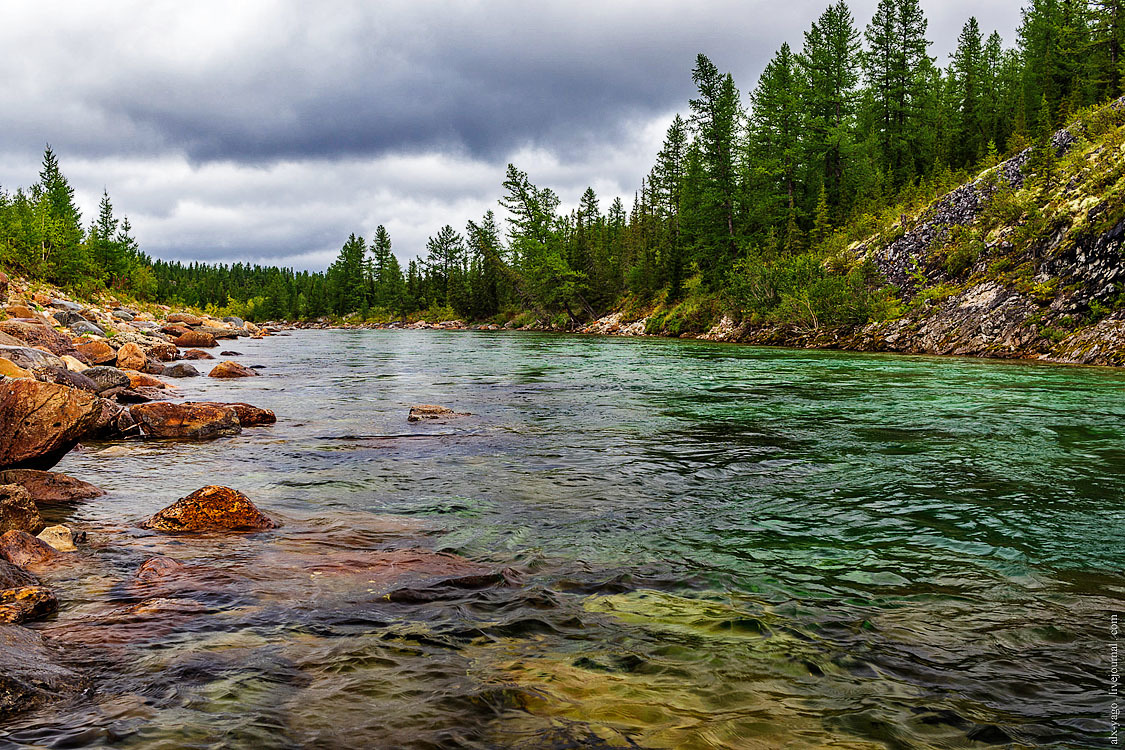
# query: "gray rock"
{"points": [[31, 673], [67, 377], [30, 359], [124, 315], [234, 320], [63, 304], [182, 370], [86, 328], [107, 377], [66, 317]]}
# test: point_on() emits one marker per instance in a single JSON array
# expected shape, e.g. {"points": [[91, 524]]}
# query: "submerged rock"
{"points": [[230, 369], [197, 421], [158, 568], [30, 672], [212, 508], [18, 510], [27, 603], [21, 548], [432, 411], [46, 487], [14, 577], [42, 422]]}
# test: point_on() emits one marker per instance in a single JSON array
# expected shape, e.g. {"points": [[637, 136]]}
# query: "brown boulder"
{"points": [[47, 487], [19, 311], [18, 511], [196, 354], [131, 357], [158, 569], [42, 422], [186, 318], [38, 334], [162, 351], [113, 421], [248, 415], [230, 369], [198, 421], [174, 330], [63, 376], [10, 369], [144, 380], [194, 338], [21, 548], [211, 508], [95, 351], [14, 577], [432, 411], [27, 603]]}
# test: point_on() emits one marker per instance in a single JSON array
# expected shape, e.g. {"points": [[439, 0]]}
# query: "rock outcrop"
{"points": [[212, 508], [43, 421]]}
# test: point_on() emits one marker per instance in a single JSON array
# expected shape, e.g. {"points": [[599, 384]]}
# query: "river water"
{"points": [[629, 543]]}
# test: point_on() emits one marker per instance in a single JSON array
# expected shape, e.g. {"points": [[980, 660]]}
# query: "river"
{"points": [[698, 546]]}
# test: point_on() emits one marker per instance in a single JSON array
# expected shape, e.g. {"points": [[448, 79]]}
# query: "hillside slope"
{"points": [[1026, 261]]}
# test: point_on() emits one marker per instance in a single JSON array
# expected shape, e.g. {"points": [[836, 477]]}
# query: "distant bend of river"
{"points": [[702, 546]]}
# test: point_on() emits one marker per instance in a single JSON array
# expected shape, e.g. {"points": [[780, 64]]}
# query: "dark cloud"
{"points": [[198, 117]]}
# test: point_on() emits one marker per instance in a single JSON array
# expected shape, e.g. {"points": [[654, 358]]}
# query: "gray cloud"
{"points": [[272, 130]]}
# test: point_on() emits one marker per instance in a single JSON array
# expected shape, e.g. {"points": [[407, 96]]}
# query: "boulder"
{"points": [[21, 311], [62, 538], [73, 364], [37, 334], [432, 411], [65, 304], [21, 548], [153, 367], [248, 415], [230, 354], [144, 380], [157, 569], [29, 358], [10, 369], [42, 421], [86, 328], [63, 317], [194, 338], [18, 511], [131, 357], [124, 315], [14, 577], [218, 333], [200, 421], [174, 330], [230, 369], [95, 351], [182, 370], [162, 351], [211, 508], [235, 321], [186, 318], [140, 395], [30, 672], [27, 603], [107, 378], [63, 376], [48, 487], [196, 354]]}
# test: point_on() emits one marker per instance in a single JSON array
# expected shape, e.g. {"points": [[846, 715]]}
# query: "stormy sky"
{"points": [[269, 131]]}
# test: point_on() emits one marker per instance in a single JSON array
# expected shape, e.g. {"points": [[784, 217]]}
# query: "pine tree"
{"points": [[775, 131], [969, 75]]}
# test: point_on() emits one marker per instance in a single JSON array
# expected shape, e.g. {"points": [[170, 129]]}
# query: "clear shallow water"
{"points": [[701, 546]]}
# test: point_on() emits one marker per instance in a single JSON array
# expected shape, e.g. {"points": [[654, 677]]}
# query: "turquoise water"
{"points": [[701, 546]]}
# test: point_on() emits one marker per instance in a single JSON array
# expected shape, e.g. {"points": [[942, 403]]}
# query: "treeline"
{"points": [[749, 205]]}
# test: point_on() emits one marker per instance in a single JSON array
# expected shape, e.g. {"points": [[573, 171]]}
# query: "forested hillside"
{"points": [[753, 208]]}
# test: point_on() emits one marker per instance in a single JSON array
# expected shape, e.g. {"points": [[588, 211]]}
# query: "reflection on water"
{"points": [[628, 544]]}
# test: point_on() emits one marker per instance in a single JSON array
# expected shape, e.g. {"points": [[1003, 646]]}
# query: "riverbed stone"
{"points": [[194, 339], [196, 354], [43, 421], [18, 511], [49, 487], [14, 577], [22, 549], [211, 508], [198, 421], [62, 538], [95, 351], [10, 369], [31, 672], [131, 357], [229, 369], [27, 603], [180, 370]]}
